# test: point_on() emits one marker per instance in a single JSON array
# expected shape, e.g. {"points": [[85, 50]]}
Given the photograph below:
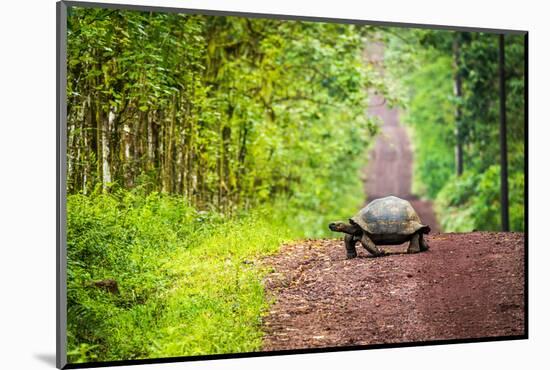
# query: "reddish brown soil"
{"points": [[465, 286]]}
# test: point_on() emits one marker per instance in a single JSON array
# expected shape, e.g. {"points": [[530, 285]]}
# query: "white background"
{"points": [[27, 182]]}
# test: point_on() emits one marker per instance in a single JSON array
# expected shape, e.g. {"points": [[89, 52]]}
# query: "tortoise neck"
{"points": [[352, 229]]}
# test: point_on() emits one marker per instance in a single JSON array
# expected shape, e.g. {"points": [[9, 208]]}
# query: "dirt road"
{"points": [[391, 163], [465, 286]]}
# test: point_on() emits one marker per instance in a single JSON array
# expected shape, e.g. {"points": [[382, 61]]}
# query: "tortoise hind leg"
{"points": [[349, 242], [414, 244], [369, 245]]}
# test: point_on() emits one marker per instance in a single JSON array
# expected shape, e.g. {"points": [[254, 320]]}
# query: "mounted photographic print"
{"points": [[235, 184]]}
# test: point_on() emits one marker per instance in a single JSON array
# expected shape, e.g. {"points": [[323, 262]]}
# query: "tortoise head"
{"points": [[343, 227], [337, 226]]}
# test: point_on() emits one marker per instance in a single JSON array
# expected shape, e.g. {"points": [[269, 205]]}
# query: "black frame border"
{"points": [[61, 196]]}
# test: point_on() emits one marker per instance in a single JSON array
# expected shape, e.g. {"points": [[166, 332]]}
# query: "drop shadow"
{"points": [[47, 358]]}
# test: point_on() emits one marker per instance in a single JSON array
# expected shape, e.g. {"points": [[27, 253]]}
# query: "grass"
{"points": [[218, 301], [189, 281]]}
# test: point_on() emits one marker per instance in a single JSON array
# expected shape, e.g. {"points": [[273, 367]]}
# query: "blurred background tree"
{"points": [[465, 181], [229, 112]]}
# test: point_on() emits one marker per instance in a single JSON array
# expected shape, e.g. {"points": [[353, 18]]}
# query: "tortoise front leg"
{"points": [[349, 242], [423, 245], [414, 244], [369, 245]]}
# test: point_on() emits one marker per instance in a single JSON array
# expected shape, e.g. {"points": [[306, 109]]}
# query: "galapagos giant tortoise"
{"points": [[384, 221]]}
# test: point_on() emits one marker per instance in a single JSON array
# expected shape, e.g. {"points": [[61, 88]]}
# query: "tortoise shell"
{"points": [[388, 216]]}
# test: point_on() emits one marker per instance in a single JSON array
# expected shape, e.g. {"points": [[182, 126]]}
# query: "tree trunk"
{"points": [[105, 148], [99, 118], [156, 147], [168, 172], [150, 150], [190, 155], [89, 143], [504, 208], [127, 155], [459, 155], [139, 132], [243, 137], [224, 171]]}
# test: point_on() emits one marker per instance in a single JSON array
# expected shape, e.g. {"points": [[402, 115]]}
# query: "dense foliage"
{"points": [[196, 145], [187, 283], [427, 65], [227, 111]]}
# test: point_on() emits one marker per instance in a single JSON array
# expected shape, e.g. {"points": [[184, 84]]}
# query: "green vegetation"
{"points": [[197, 145], [186, 285], [472, 201], [225, 111], [450, 89]]}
